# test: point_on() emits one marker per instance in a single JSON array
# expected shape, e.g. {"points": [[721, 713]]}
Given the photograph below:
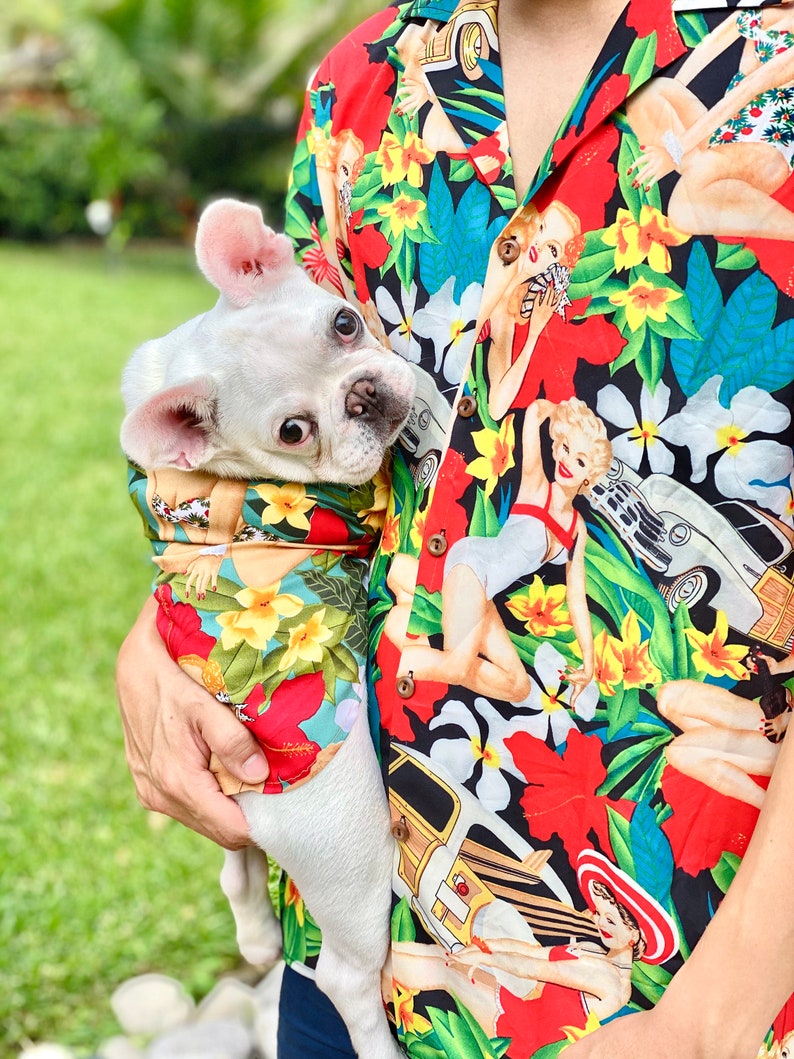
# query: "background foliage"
{"points": [[155, 105], [152, 104]]}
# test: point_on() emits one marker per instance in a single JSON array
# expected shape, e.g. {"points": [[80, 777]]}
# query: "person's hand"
{"points": [[171, 726], [578, 679], [203, 574], [653, 164]]}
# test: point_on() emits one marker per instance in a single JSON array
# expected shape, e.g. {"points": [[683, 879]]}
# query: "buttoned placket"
{"points": [[587, 114]]}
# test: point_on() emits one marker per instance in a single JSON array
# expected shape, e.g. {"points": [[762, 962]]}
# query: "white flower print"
{"points": [[546, 710], [781, 500], [450, 327], [641, 434], [460, 755], [706, 427], [398, 321]]}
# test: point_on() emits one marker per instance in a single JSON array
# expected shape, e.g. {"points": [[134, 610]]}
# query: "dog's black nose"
{"points": [[362, 400]]}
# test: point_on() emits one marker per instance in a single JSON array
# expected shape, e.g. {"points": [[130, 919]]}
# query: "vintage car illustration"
{"points": [[469, 39], [730, 555], [457, 864], [422, 437]]}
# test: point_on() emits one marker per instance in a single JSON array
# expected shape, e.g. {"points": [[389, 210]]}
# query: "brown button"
{"points": [[436, 544], [467, 407], [508, 250], [401, 831], [405, 687]]}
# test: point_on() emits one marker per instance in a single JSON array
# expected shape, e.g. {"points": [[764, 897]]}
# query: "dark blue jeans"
{"points": [[309, 1026]]}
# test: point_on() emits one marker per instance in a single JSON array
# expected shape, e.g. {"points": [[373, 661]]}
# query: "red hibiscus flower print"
{"points": [[560, 798], [288, 751], [179, 626], [704, 824], [649, 16]]}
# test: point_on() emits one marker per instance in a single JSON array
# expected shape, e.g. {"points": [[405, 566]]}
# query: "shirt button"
{"points": [[401, 831], [437, 544], [467, 407], [406, 686], [508, 249]]}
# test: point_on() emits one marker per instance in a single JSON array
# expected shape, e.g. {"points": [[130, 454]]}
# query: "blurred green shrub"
{"points": [[154, 106]]}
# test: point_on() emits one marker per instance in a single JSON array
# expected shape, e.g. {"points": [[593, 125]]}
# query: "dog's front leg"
{"points": [[244, 881]]}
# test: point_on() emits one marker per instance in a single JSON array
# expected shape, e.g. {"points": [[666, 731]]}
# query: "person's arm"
{"points": [[722, 1002], [709, 49], [170, 726]]}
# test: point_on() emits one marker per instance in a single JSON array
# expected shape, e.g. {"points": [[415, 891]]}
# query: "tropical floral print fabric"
{"points": [[276, 629], [591, 523]]}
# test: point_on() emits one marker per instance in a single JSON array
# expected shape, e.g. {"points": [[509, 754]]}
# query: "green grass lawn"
{"points": [[92, 888]]}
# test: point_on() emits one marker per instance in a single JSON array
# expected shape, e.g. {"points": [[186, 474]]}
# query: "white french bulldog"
{"points": [[279, 380]]}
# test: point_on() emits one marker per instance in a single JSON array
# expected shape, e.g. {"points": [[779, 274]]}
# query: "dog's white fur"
{"points": [[214, 395]]}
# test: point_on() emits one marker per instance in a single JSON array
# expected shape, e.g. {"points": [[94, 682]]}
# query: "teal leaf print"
{"points": [[653, 857], [769, 363], [738, 341], [734, 352], [703, 293], [467, 235]]}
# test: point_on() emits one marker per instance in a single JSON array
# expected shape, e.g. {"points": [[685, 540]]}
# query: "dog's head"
{"points": [[280, 379]]}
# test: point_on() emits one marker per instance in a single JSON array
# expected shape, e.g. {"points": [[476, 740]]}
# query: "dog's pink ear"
{"points": [[238, 253], [172, 428]]}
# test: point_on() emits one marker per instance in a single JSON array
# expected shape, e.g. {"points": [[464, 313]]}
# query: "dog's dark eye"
{"points": [[347, 324], [295, 431]]}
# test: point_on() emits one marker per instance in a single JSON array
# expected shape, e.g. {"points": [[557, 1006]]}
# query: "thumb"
{"points": [[235, 746]]}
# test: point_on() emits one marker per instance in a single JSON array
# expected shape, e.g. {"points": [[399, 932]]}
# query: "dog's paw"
{"points": [[261, 952]]}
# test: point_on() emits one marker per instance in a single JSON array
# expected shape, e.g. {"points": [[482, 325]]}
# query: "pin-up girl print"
{"points": [[340, 161], [530, 993], [537, 252], [726, 741], [732, 157], [543, 527]]}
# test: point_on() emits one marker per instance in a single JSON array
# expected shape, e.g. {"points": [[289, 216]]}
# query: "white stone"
{"points": [[119, 1048], [224, 1039], [151, 1004], [230, 999], [266, 1021]]}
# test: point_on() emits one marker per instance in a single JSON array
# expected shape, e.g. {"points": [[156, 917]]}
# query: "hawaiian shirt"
{"points": [[590, 535]]}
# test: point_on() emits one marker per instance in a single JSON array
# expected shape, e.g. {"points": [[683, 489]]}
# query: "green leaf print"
{"points": [[650, 980], [641, 59], [344, 595], [426, 613], [725, 870], [635, 198], [458, 1038], [217, 602], [648, 752], [593, 269], [734, 256], [402, 924], [620, 840], [693, 28]]}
